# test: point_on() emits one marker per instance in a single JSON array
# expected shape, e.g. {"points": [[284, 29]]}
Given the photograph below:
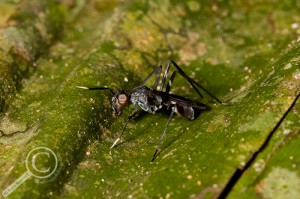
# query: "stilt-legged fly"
{"points": [[152, 100]]}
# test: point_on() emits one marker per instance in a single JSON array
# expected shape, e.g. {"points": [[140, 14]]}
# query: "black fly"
{"points": [[152, 100]]}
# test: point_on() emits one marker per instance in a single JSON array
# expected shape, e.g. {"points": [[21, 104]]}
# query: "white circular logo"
{"points": [[41, 162]]}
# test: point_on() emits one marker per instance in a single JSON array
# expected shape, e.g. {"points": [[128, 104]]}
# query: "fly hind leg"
{"points": [[193, 82]]}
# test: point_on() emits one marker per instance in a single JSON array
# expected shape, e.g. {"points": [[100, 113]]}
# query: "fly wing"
{"points": [[186, 107], [182, 101]]}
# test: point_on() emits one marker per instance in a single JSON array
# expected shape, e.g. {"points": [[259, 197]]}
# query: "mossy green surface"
{"points": [[246, 54]]}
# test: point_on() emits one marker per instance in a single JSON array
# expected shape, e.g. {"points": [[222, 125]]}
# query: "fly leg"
{"points": [[156, 70], [163, 135], [165, 75], [194, 83], [124, 127], [168, 87], [170, 82]]}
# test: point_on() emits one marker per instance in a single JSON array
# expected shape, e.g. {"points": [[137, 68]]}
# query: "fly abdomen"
{"points": [[185, 111]]}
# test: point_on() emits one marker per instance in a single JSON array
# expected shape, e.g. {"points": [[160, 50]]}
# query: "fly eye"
{"points": [[122, 98]]}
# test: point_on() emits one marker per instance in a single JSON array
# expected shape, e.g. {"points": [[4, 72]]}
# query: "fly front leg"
{"points": [[120, 135], [163, 135]]}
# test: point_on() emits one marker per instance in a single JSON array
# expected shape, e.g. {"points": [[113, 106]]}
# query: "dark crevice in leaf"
{"points": [[2, 134], [239, 171]]}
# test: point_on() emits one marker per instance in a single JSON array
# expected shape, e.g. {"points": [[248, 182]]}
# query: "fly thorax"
{"points": [[146, 99], [140, 99]]}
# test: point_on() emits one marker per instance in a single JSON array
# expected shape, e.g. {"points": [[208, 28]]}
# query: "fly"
{"points": [[152, 99]]}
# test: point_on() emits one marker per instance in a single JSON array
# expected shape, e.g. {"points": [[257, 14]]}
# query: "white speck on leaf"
{"points": [[288, 66]]}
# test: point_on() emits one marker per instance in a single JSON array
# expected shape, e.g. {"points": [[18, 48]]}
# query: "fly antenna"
{"points": [[96, 88]]}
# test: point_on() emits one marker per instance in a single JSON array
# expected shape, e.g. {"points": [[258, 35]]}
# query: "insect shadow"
{"points": [[158, 98]]}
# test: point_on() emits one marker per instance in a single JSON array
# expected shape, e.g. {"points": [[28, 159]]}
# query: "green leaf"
{"points": [[246, 54]]}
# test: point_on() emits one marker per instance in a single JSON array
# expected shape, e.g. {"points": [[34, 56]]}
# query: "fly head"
{"points": [[119, 101]]}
